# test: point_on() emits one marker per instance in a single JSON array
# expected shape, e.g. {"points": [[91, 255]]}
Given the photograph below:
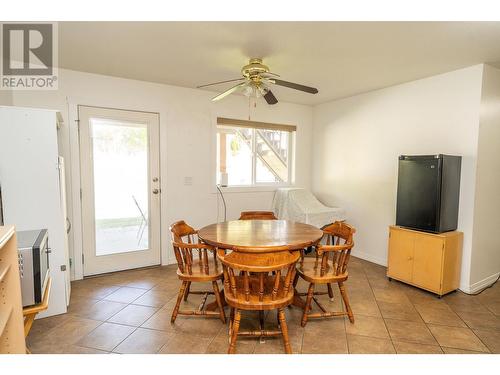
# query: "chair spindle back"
{"points": [[339, 242], [246, 275], [184, 241]]}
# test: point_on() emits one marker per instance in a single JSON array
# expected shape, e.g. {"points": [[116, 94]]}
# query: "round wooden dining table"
{"points": [[260, 236]]}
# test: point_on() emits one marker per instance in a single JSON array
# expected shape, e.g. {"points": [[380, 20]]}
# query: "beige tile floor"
{"points": [[129, 312]]}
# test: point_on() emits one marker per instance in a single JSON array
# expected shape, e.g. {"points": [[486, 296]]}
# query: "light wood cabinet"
{"points": [[11, 310], [426, 260]]}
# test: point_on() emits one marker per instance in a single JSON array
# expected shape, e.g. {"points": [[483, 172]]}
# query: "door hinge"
{"points": [[83, 259], [81, 194], [70, 262]]}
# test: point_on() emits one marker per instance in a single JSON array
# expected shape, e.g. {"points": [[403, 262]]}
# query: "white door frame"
{"points": [[125, 260], [72, 103]]}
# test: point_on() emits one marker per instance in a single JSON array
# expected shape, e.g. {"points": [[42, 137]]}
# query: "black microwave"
{"points": [[33, 246]]}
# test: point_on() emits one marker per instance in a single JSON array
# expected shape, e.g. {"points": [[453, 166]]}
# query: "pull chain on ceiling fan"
{"points": [[257, 77]]}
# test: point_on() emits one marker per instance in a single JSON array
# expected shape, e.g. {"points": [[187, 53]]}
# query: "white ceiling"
{"points": [[339, 58]]}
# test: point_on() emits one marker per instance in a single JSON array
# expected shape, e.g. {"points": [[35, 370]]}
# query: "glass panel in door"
{"points": [[120, 165]]}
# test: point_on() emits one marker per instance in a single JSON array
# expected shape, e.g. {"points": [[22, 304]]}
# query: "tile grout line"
{"points": [[136, 328], [458, 316], [382, 317], [213, 338], [467, 326], [426, 324], [474, 333], [117, 345], [107, 320]]}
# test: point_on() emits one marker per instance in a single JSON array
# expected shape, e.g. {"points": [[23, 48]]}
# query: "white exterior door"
{"points": [[119, 157]]}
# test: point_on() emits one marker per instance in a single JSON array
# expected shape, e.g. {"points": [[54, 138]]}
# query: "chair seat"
{"points": [[310, 270], [282, 299], [198, 272]]}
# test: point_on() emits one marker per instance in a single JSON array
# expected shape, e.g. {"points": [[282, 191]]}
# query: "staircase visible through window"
{"points": [[253, 153]]}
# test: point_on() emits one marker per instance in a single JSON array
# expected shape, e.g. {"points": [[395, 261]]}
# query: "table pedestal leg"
{"points": [[212, 306], [297, 301]]}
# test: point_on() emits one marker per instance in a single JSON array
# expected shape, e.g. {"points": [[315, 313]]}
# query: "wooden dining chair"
{"points": [[257, 215], [192, 267], [253, 289], [327, 267]]}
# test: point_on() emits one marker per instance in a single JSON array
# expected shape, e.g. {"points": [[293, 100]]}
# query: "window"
{"points": [[253, 153]]}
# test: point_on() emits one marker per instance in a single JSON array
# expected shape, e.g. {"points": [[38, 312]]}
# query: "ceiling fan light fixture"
{"points": [[248, 91], [255, 76]]}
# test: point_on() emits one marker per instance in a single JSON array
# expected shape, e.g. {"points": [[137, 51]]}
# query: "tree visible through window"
{"points": [[253, 155]]}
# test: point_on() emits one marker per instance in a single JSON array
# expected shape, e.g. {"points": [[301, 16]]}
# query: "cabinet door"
{"points": [[427, 263], [401, 247]]}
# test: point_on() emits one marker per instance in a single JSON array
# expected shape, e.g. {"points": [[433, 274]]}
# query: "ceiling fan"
{"points": [[256, 80]]}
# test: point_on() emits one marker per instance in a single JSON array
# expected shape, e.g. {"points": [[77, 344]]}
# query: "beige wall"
{"points": [[486, 241], [5, 97], [357, 142]]}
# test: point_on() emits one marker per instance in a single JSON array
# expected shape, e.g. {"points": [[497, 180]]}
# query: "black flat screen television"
{"points": [[428, 192]]}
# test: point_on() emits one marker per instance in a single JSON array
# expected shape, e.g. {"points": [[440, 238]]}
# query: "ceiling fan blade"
{"points": [[218, 83], [296, 86], [268, 95], [270, 98], [229, 91], [269, 74]]}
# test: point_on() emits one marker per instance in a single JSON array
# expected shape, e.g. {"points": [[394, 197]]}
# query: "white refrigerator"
{"points": [[32, 180]]}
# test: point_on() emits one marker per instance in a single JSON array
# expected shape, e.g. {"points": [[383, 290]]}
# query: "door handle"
{"points": [[156, 191]]}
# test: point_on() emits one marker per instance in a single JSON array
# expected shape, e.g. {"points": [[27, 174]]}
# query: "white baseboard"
{"points": [[370, 258], [473, 288], [168, 262]]}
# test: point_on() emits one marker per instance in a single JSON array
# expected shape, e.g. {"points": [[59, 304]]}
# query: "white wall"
{"points": [[357, 142], [350, 156], [187, 131], [486, 242]]}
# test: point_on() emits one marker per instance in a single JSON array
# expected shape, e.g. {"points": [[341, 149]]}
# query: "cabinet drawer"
{"points": [[428, 262]]}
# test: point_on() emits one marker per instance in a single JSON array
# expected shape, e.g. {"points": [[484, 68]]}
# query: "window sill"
{"points": [[250, 189]]}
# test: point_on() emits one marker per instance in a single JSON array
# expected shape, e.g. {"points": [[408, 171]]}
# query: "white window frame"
{"points": [[290, 129]]}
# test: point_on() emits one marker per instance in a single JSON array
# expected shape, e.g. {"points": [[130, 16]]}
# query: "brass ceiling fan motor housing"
{"points": [[254, 69]]}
